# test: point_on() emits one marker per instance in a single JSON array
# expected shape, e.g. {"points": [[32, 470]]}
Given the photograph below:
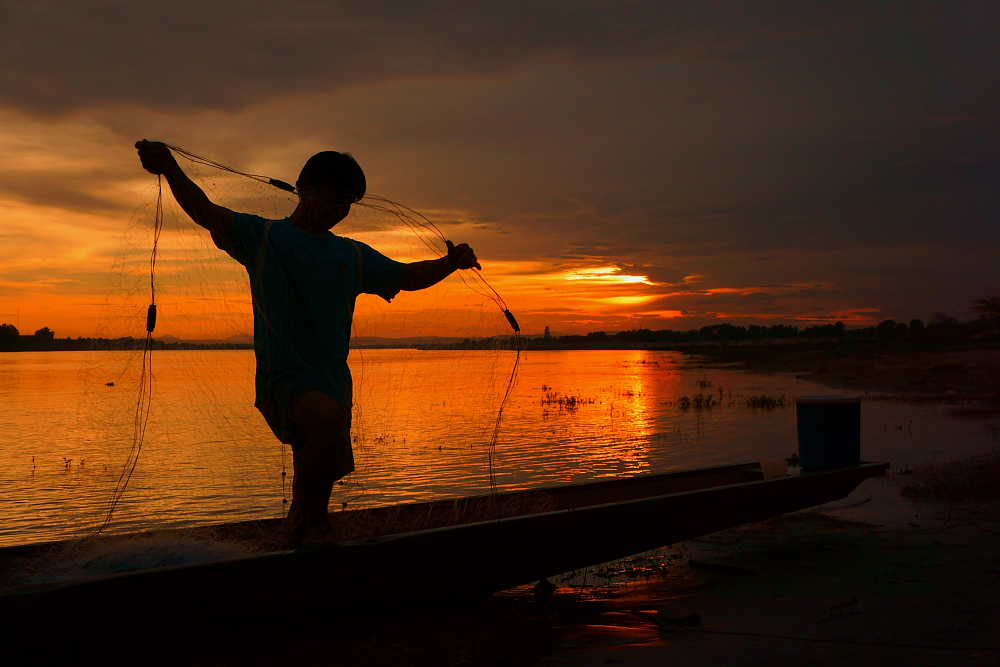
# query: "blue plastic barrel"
{"points": [[829, 431]]}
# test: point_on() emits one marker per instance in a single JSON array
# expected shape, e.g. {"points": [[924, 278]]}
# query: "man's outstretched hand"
{"points": [[155, 157], [462, 256]]}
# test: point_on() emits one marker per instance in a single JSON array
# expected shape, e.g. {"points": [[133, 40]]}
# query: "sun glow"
{"points": [[629, 300], [606, 275]]}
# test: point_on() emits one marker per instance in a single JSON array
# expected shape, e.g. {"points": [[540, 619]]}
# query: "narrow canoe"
{"points": [[420, 553]]}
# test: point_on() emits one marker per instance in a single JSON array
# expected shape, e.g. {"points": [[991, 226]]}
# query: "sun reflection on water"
{"points": [[422, 421]]}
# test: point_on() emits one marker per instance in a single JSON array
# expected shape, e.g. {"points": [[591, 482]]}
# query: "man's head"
{"points": [[328, 184]]}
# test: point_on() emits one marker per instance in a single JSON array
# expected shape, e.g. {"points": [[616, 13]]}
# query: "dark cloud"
{"points": [[59, 55], [943, 175]]}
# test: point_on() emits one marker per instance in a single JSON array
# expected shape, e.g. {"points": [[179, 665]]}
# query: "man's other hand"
{"points": [[462, 256], [155, 157]]}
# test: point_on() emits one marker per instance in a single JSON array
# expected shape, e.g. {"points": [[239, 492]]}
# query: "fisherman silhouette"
{"points": [[304, 281]]}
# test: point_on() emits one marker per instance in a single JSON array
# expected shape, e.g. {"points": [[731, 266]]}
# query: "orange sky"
{"points": [[86, 274], [614, 167]]}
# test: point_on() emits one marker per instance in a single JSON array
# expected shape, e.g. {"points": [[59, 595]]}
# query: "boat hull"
{"points": [[446, 563]]}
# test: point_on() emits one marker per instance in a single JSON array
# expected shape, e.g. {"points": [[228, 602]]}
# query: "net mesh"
{"points": [[208, 455]]}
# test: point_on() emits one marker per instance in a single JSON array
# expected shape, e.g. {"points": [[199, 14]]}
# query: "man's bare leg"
{"points": [[321, 431], [312, 484]]}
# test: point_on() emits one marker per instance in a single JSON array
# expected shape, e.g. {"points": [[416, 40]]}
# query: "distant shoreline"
{"points": [[121, 345], [968, 369]]}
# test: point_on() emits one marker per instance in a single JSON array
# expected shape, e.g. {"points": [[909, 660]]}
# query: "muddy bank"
{"points": [[914, 371], [874, 578]]}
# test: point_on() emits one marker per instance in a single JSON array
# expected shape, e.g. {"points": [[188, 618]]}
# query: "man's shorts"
{"points": [[278, 408]]}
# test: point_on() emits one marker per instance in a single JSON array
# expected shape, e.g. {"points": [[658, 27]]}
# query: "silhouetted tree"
{"points": [[888, 330], [722, 332], [825, 331], [784, 331], [943, 328], [916, 328], [988, 308], [9, 336], [943, 320], [989, 311], [45, 334]]}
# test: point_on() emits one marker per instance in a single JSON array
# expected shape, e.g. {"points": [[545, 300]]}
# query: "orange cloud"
{"points": [[665, 314], [854, 316], [75, 237], [766, 289]]}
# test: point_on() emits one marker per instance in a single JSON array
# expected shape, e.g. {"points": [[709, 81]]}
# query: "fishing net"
{"points": [[174, 436]]}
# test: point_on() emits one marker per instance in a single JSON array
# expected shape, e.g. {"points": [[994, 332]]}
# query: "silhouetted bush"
{"points": [[9, 337]]}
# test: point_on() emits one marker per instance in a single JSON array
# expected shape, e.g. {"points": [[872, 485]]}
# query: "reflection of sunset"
{"points": [[210, 456], [611, 429], [631, 426]]}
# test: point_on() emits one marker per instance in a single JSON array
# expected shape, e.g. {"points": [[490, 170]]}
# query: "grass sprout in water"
{"points": [[697, 402], [709, 400], [564, 402]]}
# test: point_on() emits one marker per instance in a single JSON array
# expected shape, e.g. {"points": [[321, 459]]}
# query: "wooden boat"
{"points": [[433, 552]]}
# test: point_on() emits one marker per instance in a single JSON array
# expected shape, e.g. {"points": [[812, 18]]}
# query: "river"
{"points": [[422, 423]]}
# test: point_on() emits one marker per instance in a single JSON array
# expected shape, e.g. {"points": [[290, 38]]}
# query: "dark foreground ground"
{"points": [[877, 578], [906, 571]]}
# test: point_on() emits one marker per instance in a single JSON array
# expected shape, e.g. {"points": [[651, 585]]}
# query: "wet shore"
{"points": [[911, 371], [877, 577]]}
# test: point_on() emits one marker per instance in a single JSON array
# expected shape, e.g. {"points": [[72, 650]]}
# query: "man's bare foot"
{"points": [[307, 533]]}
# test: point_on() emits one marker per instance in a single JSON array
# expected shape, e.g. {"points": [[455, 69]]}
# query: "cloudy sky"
{"points": [[616, 164]]}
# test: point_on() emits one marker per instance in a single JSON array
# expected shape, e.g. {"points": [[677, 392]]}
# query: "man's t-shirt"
{"points": [[304, 287]]}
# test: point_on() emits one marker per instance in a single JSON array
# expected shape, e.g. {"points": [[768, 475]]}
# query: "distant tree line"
{"points": [[11, 340], [941, 328]]}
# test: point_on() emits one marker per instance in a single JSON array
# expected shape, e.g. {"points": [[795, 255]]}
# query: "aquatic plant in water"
{"points": [[697, 402], [565, 402]]}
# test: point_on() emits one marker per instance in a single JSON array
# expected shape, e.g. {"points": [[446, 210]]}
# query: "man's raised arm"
{"points": [[421, 275], [156, 158]]}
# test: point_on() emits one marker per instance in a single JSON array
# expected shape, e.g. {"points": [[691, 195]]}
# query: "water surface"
{"points": [[422, 423]]}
